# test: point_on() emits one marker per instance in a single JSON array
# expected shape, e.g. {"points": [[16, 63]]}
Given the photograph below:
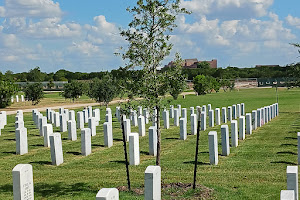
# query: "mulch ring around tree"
{"points": [[179, 190]]}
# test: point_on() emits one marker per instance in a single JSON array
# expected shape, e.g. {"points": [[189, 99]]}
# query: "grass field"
{"points": [[256, 169]]}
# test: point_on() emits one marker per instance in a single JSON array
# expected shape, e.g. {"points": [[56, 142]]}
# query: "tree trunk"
{"points": [[125, 153], [158, 135], [196, 154]]}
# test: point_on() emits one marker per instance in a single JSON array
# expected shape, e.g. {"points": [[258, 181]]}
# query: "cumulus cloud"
{"points": [[32, 8], [293, 21], [228, 9], [48, 28]]}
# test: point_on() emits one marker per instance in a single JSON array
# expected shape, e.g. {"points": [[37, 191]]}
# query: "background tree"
{"points": [[7, 90], [73, 90], [34, 92], [200, 84], [102, 90], [148, 38], [35, 75], [175, 79]]}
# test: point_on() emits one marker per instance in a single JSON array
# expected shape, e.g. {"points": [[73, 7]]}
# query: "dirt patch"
{"points": [[179, 190]]}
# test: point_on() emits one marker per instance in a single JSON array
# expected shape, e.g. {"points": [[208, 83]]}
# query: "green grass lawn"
{"points": [[256, 169]]}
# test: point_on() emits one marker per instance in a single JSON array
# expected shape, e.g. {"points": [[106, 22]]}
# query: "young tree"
{"points": [[200, 84], [73, 90], [148, 38], [7, 89], [102, 90], [34, 92]]}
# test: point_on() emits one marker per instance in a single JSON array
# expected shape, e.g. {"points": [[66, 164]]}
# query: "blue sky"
{"points": [[79, 35]]}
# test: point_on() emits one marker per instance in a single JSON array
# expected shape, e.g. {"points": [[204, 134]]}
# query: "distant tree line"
{"points": [[36, 75]]}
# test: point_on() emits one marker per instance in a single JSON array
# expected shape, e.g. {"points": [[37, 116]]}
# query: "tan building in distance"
{"points": [[192, 63]]}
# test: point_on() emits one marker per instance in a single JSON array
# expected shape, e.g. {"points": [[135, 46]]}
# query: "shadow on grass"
{"points": [[41, 162], [193, 162], [10, 139], [97, 145], [172, 138], [283, 162], [286, 152], [50, 191], [144, 152], [37, 145], [290, 138], [76, 153], [118, 139], [294, 145], [10, 152], [6, 188], [118, 161], [204, 152]]}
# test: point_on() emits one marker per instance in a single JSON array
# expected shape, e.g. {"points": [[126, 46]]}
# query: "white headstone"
{"points": [[292, 179], [259, 118], [183, 131], [238, 110], [192, 110], [211, 118], [92, 126], [242, 128], [172, 111], [23, 182], [86, 142], [184, 113], [153, 183], [179, 109], [127, 129], [72, 115], [287, 195], [134, 149], [243, 109], [229, 117], [108, 137], [56, 119], [48, 130], [22, 98], [146, 115], [176, 117], [203, 121], [56, 149], [224, 115], [225, 140], [234, 133], [63, 123], [166, 119], [254, 120], [248, 123], [152, 141], [208, 107], [21, 141], [193, 124], [85, 116], [19, 124], [141, 123], [80, 120], [17, 98], [213, 147], [90, 111], [72, 133], [42, 123], [234, 112], [134, 118], [108, 194], [218, 116]]}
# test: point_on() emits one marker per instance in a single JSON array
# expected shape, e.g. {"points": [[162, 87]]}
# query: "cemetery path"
{"points": [[11, 112]]}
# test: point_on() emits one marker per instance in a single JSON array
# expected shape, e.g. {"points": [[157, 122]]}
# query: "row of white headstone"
{"points": [[3, 120], [17, 98], [53, 140], [23, 186], [236, 133], [292, 184]]}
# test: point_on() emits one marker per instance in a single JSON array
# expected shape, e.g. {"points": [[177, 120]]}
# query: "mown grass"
{"points": [[256, 169]]}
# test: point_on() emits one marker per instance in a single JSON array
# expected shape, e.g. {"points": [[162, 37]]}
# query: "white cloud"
{"points": [[293, 21], [32, 8], [48, 28], [85, 48], [228, 9]]}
